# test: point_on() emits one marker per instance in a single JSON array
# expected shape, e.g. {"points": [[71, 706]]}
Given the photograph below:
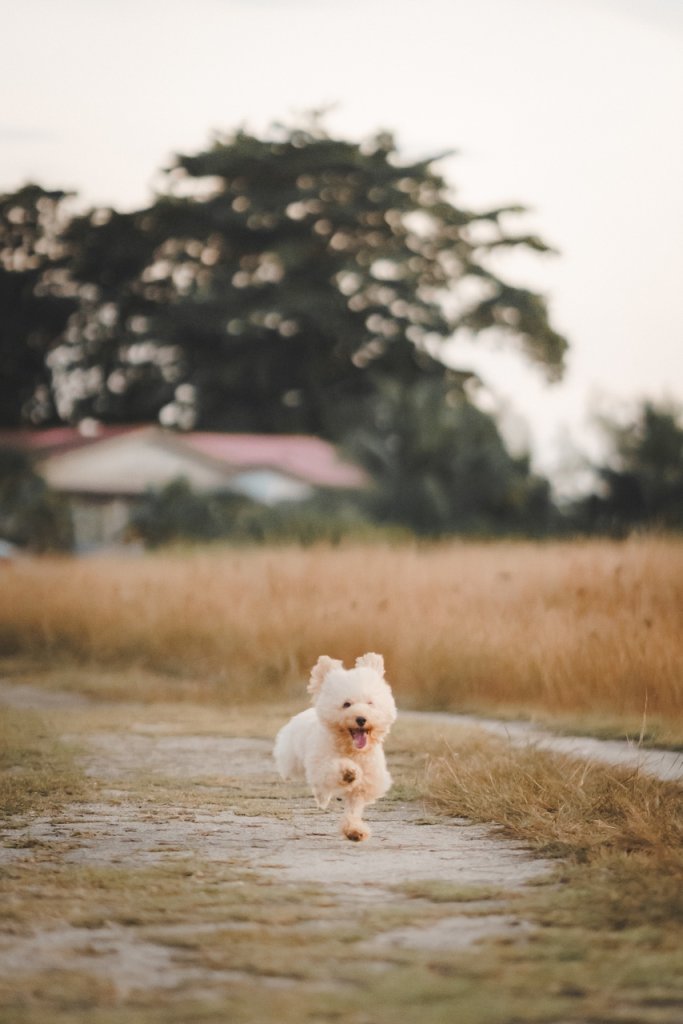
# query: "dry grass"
{"points": [[589, 627], [620, 832], [558, 804], [612, 924]]}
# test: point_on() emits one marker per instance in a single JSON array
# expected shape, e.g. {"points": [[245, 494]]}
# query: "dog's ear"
{"points": [[373, 661], [320, 670]]}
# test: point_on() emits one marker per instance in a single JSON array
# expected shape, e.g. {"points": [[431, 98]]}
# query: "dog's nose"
{"points": [[361, 721]]}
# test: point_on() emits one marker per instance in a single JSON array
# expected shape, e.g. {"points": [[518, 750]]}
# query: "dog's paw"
{"points": [[356, 831], [349, 773]]}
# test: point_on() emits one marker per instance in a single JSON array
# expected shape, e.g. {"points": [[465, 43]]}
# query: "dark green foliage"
{"points": [[116, 344], [441, 465], [277, 280], [35, 301], [31, 516], [177, 514], [326, 517], [642, 484]]}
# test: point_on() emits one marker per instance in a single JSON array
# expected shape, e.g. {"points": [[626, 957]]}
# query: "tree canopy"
{"points": [[276, 281], [641, 481], [290, 282], [31, 515], [36, 300], [441, 465]]}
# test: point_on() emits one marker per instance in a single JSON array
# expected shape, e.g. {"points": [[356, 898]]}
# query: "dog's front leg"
{"points": [[348, 773], [353, 826], [338, 777]]}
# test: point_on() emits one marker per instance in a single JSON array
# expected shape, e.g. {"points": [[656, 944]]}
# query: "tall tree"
{"points": [[35, 300], [278, 281], [31, 515], [642, 478], [441, 465], [116, 346]]}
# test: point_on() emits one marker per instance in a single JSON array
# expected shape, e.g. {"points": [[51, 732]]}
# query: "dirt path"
{"points": [[121, 882], [264, 832]]}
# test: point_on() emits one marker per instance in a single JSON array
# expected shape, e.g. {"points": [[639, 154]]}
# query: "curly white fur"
{"points": [[336, 745]]}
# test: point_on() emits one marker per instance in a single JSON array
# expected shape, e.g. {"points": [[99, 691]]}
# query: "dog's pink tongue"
{"points": [[359, 738]]}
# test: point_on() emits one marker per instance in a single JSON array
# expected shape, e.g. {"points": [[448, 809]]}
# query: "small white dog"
{"points": [[336, 745]]}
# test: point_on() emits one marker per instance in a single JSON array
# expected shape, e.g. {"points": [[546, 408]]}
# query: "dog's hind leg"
{"points": [[322, 798]]}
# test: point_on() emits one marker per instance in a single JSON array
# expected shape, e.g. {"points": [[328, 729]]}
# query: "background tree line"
{"points": [[290, 283]]}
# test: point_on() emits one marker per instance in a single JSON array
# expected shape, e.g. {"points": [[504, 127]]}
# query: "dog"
{"points": [[337, 745]]}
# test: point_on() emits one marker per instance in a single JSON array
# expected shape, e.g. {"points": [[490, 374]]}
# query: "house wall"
{"points": [[99, 522], [269, 487], [131, 464]]}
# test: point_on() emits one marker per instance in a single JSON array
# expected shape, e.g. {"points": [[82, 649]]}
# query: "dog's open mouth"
{"points": [[359, 737]]}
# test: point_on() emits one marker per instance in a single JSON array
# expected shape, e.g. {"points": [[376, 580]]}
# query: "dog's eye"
{"points": [[346, 704]]}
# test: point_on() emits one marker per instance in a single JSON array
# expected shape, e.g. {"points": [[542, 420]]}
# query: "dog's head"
{"points": [[355, 703]]}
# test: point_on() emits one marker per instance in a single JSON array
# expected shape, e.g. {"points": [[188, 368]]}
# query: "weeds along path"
{"points": [[666, 765], [195, 870]]}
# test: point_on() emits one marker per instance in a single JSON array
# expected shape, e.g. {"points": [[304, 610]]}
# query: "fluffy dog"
{"points": [[336, 745]]}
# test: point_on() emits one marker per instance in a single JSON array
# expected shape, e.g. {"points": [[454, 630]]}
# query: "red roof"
{"points": [[58, 439], [307, 458]]}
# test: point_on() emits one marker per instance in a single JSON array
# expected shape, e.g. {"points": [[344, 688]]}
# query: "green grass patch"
{"points": [[437, 891], [38, 773], [173, 892]]}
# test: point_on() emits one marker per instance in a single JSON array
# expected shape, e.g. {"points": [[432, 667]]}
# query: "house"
{"points": [[104, 470]]}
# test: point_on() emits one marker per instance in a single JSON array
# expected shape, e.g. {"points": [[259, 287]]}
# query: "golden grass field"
{"points": [[584, 633], [583, 630]]}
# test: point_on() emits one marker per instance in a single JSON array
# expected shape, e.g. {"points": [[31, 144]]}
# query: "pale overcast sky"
{"points": [[570, 107]]}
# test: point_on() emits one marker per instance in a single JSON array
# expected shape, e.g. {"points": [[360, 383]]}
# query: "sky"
{"points": [[569, 107]]}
